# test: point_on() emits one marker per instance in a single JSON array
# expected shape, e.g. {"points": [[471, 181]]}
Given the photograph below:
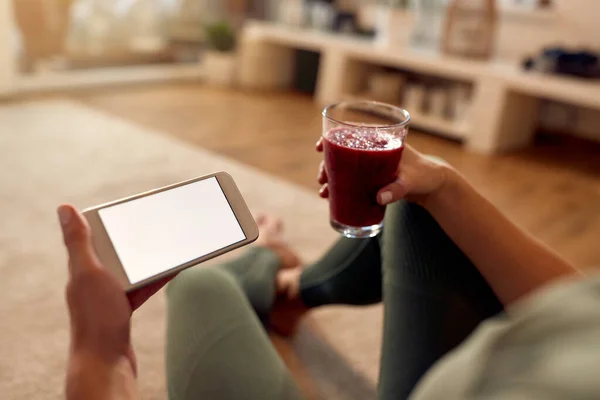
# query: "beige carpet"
{"points": [[53, 152]]}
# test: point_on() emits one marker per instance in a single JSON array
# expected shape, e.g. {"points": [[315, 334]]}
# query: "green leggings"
{"points": [[433, 297]]}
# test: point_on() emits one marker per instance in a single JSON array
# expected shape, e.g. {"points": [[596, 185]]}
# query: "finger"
{"points": [[77, 238], [322, 176], [140, 296], [392, 192], [132, 359], [319, 145], [324, 192]]}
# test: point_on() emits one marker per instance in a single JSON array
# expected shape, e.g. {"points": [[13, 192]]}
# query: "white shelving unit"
{"points": [[505, 98]]}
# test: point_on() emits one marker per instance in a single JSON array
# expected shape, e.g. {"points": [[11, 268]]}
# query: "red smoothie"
{"points": [[359, 163]]}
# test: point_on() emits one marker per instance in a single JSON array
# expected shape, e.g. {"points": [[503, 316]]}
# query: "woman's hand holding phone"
{"points": [[100, 313]]}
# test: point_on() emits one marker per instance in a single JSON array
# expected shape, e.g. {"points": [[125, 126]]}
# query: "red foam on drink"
{"points": [[364, 139]]}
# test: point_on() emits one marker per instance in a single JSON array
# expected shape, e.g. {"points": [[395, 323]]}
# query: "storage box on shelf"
{"points": [[445, 127], [436, 105], [505, 100]]}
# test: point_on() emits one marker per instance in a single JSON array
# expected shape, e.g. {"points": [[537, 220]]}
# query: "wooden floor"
{"points": [[551, 189]]}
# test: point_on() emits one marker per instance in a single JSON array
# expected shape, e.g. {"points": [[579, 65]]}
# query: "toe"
{"points": [[260, 219]]}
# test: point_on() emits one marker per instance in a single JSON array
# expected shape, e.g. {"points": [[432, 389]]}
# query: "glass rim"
{"points": [[404, 112]]}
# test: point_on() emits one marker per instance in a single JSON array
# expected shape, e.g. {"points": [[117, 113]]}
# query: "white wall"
{"points": [[572, 23], [579, 20], [569, 22], [7, 59]]}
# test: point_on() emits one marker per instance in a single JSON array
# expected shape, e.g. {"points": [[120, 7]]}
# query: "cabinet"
{"points": [[505, 98]]}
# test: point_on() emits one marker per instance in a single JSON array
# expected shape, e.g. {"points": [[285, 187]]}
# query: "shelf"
{"points": [[444, 127], [529, 13], [302, 38], [366, 50], [505, 98], [577, 91], [581, 92], [61, 80], [423, 61]]}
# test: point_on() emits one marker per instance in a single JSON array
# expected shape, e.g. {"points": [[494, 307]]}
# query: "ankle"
{"points": [[287, 257]]}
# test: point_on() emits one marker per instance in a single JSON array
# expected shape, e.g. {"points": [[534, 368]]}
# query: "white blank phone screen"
{"points": [[162, 231]]}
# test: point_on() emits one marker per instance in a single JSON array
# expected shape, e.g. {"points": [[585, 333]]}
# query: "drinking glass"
{"points": [[362, 145]]}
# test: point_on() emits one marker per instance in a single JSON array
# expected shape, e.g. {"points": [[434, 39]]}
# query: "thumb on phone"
{"points": [[77, 238]]}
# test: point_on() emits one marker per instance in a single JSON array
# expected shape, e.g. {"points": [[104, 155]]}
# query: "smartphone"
{"points": [[152, 235]]}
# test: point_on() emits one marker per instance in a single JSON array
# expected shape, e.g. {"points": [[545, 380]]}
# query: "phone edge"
{"points": [[118, 268]]}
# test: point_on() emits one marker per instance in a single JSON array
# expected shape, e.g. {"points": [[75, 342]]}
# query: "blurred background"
{"points": [[101, 99], [433, 56]]}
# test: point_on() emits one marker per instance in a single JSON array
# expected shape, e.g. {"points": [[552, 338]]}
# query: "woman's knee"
{"points": [[403, 213], [409, 224], [201, 284], [207, 300]]}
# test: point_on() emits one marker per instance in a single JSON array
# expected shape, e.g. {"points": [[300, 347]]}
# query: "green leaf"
{"points": [[220, 36]]}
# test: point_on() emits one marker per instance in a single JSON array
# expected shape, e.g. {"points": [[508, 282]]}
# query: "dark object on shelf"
{"points": [[557, 60], [345, 22], [307, 68], [366, 33]]}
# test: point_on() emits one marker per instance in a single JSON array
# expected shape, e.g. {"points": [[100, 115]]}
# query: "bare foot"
{"points": [[271, 237], [288, 309]]}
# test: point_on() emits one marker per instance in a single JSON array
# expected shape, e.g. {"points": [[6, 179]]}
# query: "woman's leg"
{"points": [[434, 298], [216, 346], [349, 273]]}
